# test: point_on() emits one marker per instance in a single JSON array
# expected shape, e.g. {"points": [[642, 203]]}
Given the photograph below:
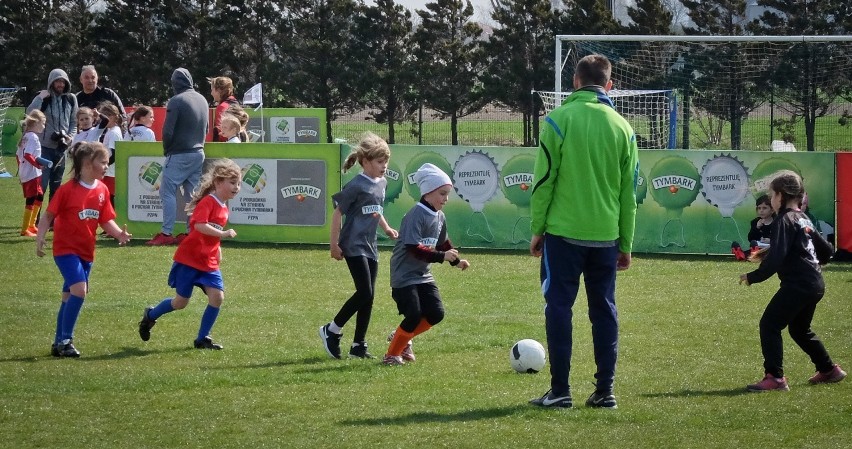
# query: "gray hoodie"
{"points": [[59, 108], [187, 117]]}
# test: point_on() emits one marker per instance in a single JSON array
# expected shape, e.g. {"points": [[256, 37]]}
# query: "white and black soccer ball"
{"points": [[527, 356]]}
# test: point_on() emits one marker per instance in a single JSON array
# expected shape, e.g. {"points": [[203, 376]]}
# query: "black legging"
{"points": [[363, 271], [793, 308]]}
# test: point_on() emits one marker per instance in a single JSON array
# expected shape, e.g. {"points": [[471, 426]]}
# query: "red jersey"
{"points": [[201, 251], [79, 209]]}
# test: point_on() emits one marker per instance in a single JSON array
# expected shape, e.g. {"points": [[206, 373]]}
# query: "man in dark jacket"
{"points": [[93, 95], [184, 130]]}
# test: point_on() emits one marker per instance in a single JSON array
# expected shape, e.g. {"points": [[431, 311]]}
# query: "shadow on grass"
{"points": [[280, 363], [691, 393], [433, 417], [133, 351], [123, 354]]}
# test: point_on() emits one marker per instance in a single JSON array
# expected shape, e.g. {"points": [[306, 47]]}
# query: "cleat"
{"points": [[54, 350], [162, 240], [180, 238], [602, 399], [835, 375], [769, 383], [392, 360], [737, 251], [330, 341], [549, 399], [359, 350], [207, 343], [28, 233], [146, 324], [67, 350]]}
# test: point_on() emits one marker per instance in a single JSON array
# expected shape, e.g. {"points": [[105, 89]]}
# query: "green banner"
{"points": [[285, 195], [689, 201]]}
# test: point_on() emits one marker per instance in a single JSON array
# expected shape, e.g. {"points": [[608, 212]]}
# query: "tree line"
{"points": [[349, 55]]}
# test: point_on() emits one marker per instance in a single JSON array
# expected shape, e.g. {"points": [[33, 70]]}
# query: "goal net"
{"points": [[651, 113], [6, 95], [722, 92]]}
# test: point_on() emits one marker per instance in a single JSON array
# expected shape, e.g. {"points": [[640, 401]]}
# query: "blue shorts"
{"points": [[73, 270], [183, 278]]}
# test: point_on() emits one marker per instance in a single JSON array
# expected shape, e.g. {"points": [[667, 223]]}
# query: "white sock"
{"points": [[334, 328]]}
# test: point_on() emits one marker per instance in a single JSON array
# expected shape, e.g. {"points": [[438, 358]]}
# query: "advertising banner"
{"points": [[284, 195], [688, 201]]}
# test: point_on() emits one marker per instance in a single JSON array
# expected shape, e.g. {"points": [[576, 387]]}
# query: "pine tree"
{"points": [[521, 57], [804, 79], [743, 93], [451, 60], [320, 72], [649, 17], [388, 77], [588, 17]]}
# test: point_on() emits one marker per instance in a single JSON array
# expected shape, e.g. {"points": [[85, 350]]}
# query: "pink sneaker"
{"points": [[407, 353], [392, 360], [162, 240], [835, 375], [769, 383]]}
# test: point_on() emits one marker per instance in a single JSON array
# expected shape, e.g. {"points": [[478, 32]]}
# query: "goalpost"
{"points": [[690, 91], [6, 95]]}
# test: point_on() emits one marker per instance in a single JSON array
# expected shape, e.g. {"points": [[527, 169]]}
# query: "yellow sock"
{"points": [[25, 224], [34, 216]]}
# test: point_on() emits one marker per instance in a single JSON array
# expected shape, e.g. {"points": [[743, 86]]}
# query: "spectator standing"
{"points": [[222, 91], [59, 106], [93, 95], [184, 130]]}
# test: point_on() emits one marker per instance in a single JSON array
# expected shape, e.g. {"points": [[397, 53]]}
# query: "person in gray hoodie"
{"points": [[59, 106], [184, 131]]}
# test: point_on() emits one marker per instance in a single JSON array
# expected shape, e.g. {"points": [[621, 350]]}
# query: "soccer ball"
{"points": [[527, 356]]}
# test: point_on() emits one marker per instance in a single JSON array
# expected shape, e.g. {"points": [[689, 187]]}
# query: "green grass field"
{"points": [[689, 344]]}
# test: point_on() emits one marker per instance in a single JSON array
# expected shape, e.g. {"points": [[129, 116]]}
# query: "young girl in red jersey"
{"points": [[196, 261], [29, 170], [76, 210], [796, 253]]}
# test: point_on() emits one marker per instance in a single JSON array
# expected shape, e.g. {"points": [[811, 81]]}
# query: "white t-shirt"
{"points": [[140, 133], [112, 136], [83, 135], [30, 145]]}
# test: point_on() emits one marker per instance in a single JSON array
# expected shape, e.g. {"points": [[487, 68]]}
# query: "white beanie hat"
{"points": [[429, 178]]}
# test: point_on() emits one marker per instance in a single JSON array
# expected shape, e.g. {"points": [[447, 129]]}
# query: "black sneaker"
{"points": [[146, 324], [207, 343], [67, 349], [359, 350], [54, 350], [601, 399], [330, 341], [551, 400]]}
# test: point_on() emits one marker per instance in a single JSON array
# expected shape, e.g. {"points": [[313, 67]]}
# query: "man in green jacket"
{"points": [[583, 216]]}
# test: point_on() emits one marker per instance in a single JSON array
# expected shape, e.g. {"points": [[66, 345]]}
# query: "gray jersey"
{"points": [[420, 226], [360, 202]]}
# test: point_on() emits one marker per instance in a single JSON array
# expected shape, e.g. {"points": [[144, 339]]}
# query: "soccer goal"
{"points": [[710, 91], [6, 95]]}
